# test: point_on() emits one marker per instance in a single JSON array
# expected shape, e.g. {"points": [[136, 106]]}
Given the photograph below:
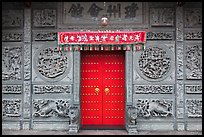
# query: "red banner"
{"points": [[102, 37]]}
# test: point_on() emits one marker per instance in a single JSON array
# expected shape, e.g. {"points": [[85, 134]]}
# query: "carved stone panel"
{"points": [[12, 89], [180, 93], [155, 63], [42, 89], [153, 89], [12, 18], [162, 17], [160, 36], [193, 17], [193, 35], [180, 62], [11, 108], [44, 36], [45, 108], [194, 61], [51, 65], [194, 108], [11, 63], [12, 36], [154, 108], [90, 13], [44, 18], [27, 61], [193, 89]]}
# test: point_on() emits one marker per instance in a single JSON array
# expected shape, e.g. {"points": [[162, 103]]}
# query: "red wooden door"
{"points": [[102, 89]]}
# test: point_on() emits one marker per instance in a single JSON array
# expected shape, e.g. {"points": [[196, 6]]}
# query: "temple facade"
{"points": [[156, 87]]}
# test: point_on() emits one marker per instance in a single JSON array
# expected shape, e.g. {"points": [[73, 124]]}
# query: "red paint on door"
{"points": [[102, 88]]}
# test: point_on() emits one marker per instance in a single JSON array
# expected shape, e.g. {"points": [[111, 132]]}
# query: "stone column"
{"points": [[180, 124], [27, 70]]}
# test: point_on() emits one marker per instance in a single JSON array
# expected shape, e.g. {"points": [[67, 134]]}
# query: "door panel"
{"points": [[103, 72]]}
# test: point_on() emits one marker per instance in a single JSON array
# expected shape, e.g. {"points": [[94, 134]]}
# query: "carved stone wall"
{"points": [[192, 65], [41, 86]]}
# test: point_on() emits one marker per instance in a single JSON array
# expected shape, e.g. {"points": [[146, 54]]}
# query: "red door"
{"points": [[102, 89]]}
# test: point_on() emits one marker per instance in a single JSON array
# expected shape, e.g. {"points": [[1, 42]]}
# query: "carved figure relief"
{"points": [[131, 120], [11, 63], [154, 108], [74, 115], [11, 107], [44, 18], [12, 18], [160, 35], [162, 16], [132, 116], [44, 36], [194, 108], [193, 89], [154, 63], [194, 62], [52, 65], [154, 89], [41, 89], [51, 108], [193, 17], [12, 37], [193, 35], [12, 89]]}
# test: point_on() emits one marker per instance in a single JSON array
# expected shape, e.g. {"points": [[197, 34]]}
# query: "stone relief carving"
{"points": [[154, 108], [154, 89], [179, 61], [12, 89], [160, 36], [193, 89], [12, 18], [193, 35], [52, 65], [45, 36], [180, 93], [154, 63], [179, 24], [12, 36], [42, 89], [194, 62], [162, 16], [194, 108], [11, 63], [51, 108], [11, 108], [74, 120], [27, 61], [131, 120], [26, 99], [44, 18], [193, 17]]}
